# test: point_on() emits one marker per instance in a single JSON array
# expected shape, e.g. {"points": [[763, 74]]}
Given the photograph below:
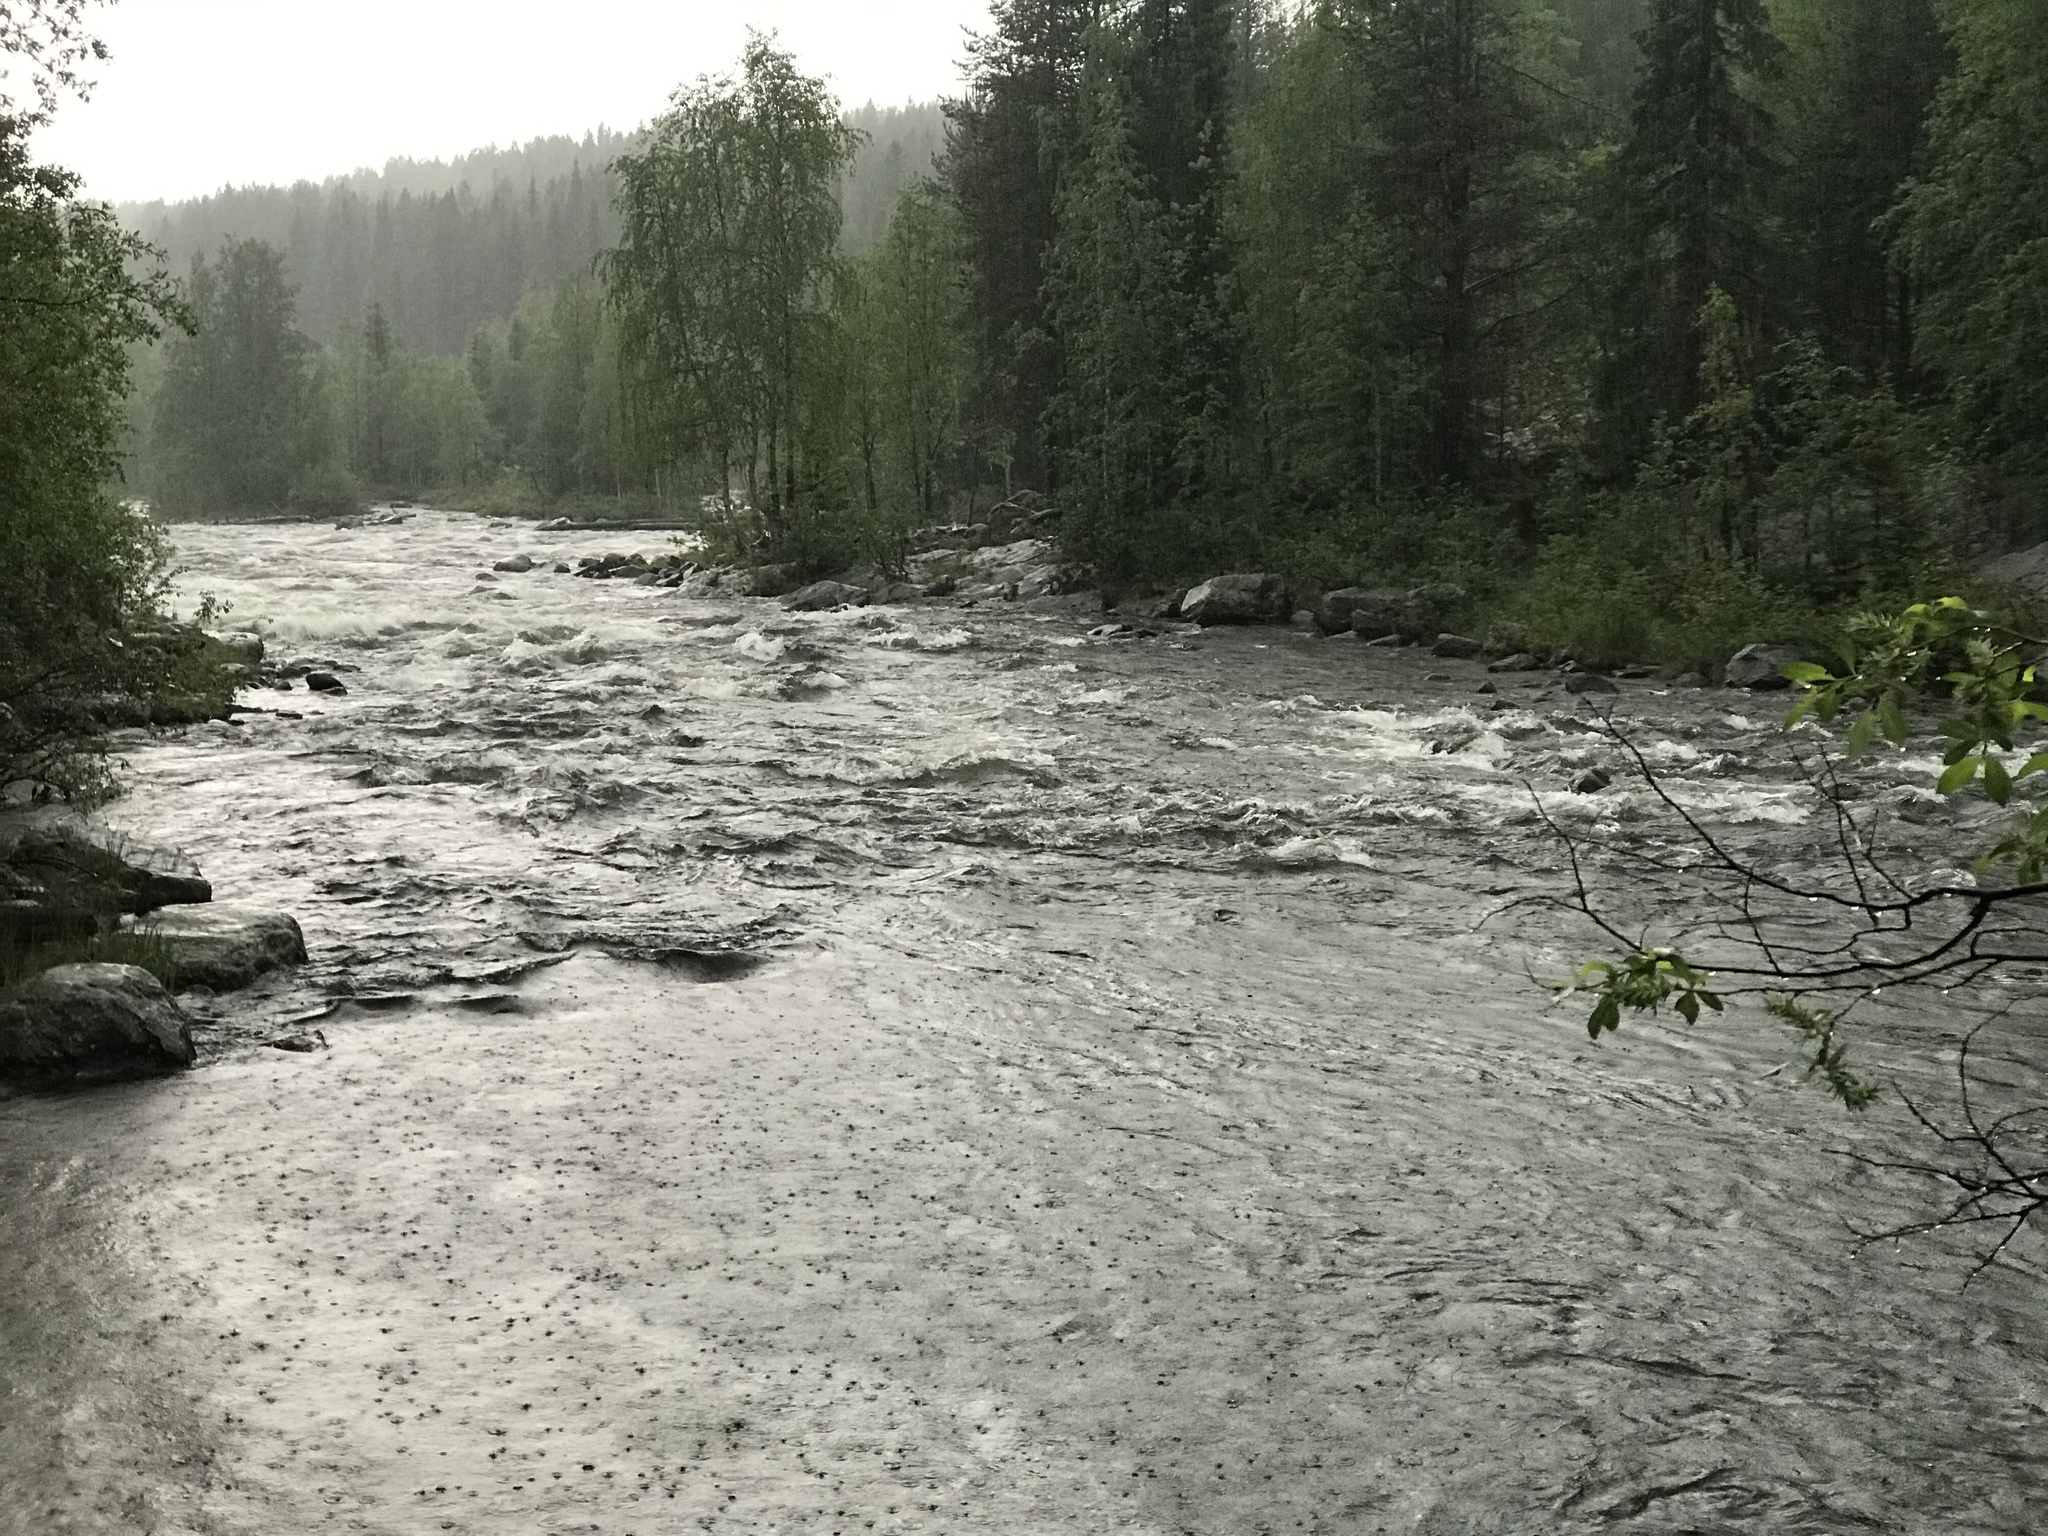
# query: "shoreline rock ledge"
{"points": [[92, 1023], [224, 947]]}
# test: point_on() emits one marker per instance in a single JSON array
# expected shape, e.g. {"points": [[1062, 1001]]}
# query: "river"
{"points": [[933, 1069]]}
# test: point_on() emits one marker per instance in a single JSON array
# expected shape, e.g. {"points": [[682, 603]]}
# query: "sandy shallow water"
{"points": [[1131, 1112]]}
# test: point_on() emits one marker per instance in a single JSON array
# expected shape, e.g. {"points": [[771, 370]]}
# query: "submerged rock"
{"points": [[1590, 781], [1588, 682], [92, 1023], [225, 947], [325, 682], [820, 595], [1239, 598]]}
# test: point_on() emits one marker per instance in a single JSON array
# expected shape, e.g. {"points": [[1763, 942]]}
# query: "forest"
{"points": [[1636, 329]]}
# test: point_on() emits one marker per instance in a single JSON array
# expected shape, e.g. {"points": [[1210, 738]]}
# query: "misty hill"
{"points": [[444, 245]]}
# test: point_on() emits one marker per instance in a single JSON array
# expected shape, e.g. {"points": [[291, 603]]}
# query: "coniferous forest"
{"points": [[1633, 328]]}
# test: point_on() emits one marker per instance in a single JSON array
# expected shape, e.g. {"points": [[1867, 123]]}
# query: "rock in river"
{"points": [[1241, 598], [820, 595], [325, 682], [518, 565], [225, 947], [1457, 647], [92, 1024], [1759, 667]]}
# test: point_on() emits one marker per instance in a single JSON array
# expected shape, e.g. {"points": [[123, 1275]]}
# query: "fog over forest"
{"points": [[442, 246]]}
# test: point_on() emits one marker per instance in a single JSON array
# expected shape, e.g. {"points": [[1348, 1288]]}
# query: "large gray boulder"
{"points": [[1239, 598], [1760, 667], [92, 1024], [224, 947], [1370, 612], [820, 595]]}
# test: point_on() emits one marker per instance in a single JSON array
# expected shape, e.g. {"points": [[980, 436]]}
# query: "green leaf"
{"points": [[1997, 782], [1606, 1015], [1893, 722], [2034, 764], [1805, 672], [1959, 775], [1861, 732], [1688, 1006]]}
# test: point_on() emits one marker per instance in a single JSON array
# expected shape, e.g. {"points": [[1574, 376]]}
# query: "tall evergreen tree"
{"points": [[1692, 206], [1859, 78], [1457, 178], [1006, 145], [1974, 229]]}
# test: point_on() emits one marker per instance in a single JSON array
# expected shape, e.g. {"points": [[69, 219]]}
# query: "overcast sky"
{"points": [[206, 93]]}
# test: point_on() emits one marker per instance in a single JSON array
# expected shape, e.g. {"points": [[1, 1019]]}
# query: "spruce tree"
{"points": [[1006, 145], [1692, 207]]}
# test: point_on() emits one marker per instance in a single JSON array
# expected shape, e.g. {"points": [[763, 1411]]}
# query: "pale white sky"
{"points": [[206, 93]]}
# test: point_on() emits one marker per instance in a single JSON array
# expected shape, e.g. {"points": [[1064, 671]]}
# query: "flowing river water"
{"points": [[930, 1069]]}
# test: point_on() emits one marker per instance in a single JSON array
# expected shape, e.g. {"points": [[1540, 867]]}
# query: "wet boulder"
{"points": [[1521, 661], [1239, 598], [1761, 667], [1456, 647], [1365, 611], [518, 565], [1588, 682], [92, 1023], [241, 648], [820, 595], [325, 682], [224, 947]]}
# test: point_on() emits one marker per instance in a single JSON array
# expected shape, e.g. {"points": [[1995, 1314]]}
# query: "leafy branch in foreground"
{"points": [[1812, 949]]}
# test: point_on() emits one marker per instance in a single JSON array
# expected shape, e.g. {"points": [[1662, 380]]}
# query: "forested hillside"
{"points": [[442, 246]]}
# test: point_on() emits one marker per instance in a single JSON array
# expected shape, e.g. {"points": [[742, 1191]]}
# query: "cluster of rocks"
{"points": [[1417, 616], [646, 570], [102, 1021]]}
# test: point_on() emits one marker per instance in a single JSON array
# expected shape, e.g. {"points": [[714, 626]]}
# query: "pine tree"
{"points": [[1691, 207], [1457, 181], [1974, 230], [1006, 145]]}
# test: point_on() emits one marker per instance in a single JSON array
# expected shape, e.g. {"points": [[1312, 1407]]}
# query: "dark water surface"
{"points": [[928, 1070]]}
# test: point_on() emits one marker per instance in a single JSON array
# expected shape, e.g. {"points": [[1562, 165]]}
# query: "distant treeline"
{"points": [[440, 247]]}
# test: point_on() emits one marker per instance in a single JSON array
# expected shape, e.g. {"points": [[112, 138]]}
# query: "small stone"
{"points": [[1590, 781], [1689, 680], [1486, 688], [325, 682], [1456, 647], [1521, 661], [1588, 682], [561, 568]]}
